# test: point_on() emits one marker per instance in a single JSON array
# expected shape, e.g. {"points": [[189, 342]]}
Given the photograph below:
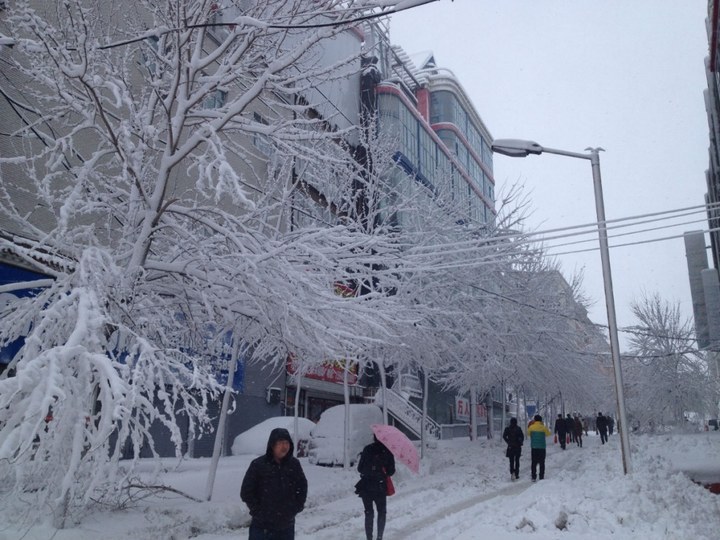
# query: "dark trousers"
{"points": [[537, 457], [259, 533], [514, 457], [562, 439], [578, 438], [380, 501], [603, 436]]}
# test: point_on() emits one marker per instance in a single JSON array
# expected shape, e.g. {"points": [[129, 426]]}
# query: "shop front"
{"points": [[321, 387]]}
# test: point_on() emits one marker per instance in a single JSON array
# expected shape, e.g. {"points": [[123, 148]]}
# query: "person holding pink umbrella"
{"points": [[375, 465]]}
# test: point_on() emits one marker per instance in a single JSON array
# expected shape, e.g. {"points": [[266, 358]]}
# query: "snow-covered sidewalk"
{"points": [[463, 492]]}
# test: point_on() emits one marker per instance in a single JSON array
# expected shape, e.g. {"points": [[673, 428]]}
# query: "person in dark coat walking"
{"points": [[275, 489], [561, 430], [578, 430], [570, 427], [376, 463], [514, 438], [602, 427]]}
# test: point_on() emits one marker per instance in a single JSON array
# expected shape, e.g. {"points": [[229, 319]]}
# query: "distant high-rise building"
{"points": [[697, 264], [712, 105], [703, 284]]}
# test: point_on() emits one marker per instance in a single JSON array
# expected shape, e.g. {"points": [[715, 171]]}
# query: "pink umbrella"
{"points": [[398, 443]]}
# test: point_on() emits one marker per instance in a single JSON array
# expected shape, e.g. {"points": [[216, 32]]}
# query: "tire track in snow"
{"points": [[573, 463], [446, 511]]}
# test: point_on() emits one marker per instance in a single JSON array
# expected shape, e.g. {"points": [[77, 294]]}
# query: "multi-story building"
{"points": [[704, 279], [443, 142], [712, 105], [440, 143]]}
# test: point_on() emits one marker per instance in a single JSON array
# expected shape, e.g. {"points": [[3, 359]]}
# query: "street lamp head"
{"points": [[516, 147]]}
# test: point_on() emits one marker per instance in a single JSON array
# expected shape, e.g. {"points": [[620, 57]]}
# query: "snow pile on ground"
{"points": [[463, 492], [586, 495], [591, 498]]}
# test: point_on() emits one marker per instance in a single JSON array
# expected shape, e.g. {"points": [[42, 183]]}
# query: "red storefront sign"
{"points": [[462, 409], [331, 371]]}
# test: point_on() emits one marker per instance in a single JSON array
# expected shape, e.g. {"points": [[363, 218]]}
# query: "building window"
{"points": [[215, 100], [462, 154], [149, 57], [427, 154], [487, 154], [408, 134], [260, 140], [441, 107]]}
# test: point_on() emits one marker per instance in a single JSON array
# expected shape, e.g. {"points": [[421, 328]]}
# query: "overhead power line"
{"points": [[611, 223], [640, 231], [640, 242]]}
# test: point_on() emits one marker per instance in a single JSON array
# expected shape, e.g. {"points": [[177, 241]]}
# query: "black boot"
{"points": [[369, 525], [381, 525]]}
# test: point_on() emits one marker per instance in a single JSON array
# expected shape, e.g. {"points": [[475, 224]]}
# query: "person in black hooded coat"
{"points": [[514, 438], [275, 489], [376, 462]]}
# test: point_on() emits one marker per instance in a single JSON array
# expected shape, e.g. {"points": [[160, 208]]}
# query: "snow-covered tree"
{"points": [[665, 376], [152, 168]]}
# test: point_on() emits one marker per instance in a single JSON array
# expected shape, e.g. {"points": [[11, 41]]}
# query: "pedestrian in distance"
{"points": [[578, 430], [570, 423], [274, 489], [560, 430], [610, 424], [602, 427], [514, 437], [537, 431], [376, 463]]}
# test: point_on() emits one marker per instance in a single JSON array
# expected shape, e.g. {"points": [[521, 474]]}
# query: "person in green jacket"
{"points": [[537, 431]]}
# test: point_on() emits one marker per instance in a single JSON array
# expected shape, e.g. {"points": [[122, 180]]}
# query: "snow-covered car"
{"points": [[327, 437], [254, 440]]}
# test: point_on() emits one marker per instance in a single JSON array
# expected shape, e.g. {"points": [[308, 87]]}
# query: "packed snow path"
{"points": [[419, 511]]}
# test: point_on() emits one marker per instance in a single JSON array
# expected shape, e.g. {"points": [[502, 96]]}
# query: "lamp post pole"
{"points": [[521, 148]]}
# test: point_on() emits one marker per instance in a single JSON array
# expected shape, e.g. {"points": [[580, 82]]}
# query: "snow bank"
{"points": [[254, 440]]}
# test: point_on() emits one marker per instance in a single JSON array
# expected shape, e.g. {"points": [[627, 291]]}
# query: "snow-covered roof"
{"points": [[20, 252], [404, 68], [423, 59]]}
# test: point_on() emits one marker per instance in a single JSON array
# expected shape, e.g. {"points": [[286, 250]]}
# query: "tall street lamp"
{"points": [[521, 148]]}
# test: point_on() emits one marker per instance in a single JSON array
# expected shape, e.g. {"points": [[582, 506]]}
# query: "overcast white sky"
{"points": [[627, 76]]}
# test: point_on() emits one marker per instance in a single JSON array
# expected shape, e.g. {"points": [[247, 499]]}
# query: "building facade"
{"points": [[704, 277], [712, 106]]}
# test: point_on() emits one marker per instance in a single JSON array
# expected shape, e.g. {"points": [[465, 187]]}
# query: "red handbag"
{"points": [[555, 439], [390, 486]]}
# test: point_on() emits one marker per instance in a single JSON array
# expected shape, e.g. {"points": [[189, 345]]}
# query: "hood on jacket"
{"points": [[279, 434]]}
